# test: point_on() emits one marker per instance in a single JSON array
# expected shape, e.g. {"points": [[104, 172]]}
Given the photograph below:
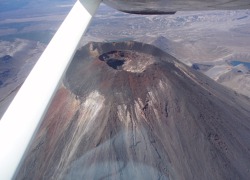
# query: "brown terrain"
{"points": [[128, 110]]}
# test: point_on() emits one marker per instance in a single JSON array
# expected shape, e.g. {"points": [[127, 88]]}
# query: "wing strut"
{"points": [[23, 117]]}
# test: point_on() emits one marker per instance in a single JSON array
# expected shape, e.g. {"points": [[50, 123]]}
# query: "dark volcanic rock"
{"points": [[202, 67], [130, 111], [6, 58]]}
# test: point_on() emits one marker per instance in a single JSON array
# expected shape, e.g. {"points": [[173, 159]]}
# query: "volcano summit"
{"points": [[128, 110]]}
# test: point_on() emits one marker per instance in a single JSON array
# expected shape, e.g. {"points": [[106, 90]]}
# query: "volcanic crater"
{"points": [[128, 110], [127, 60]]}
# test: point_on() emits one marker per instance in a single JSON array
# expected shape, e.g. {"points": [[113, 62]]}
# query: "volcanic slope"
{"points": [[128, 110]]}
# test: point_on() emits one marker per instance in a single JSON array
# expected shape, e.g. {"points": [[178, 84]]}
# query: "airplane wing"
{"points": [[171, 6]]}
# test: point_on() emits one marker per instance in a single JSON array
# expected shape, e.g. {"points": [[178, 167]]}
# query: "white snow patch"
{"points": [[90, 111], [136, 68], [152, 97], [91, 107], [161, 85], [134, 65], [123, 113], [138, 112], [140, 102]]}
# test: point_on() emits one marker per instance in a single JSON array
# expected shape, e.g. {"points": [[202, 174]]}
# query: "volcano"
{"points": [[128, 110]]}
